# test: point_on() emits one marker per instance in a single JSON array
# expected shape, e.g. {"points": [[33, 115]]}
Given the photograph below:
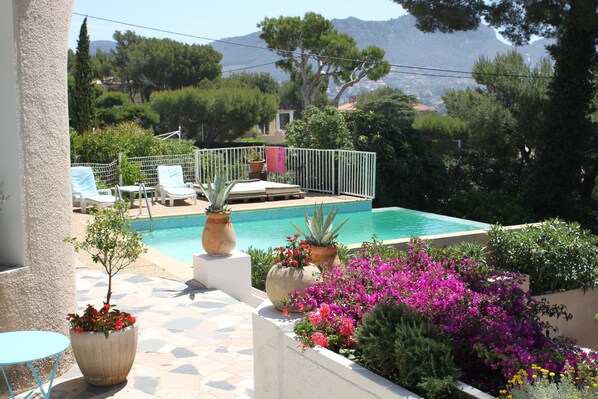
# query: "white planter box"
{"points": [[284, 370]]}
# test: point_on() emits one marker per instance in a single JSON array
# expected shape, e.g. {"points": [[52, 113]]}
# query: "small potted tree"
{"points": [[218, 237], [104, 340], [321, 236]]}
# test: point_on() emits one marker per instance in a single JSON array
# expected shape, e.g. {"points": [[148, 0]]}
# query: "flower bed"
{"points": [[285, 370], [494, 327]]}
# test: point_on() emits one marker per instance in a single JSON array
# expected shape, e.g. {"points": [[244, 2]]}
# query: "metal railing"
{"points": [[357, 173], [326, 171]]}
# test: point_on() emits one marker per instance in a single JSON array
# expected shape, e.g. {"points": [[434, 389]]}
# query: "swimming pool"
{"points": [[180, 237]]}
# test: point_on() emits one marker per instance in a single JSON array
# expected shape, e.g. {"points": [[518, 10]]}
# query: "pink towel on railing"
{"points": [[275, 159]]}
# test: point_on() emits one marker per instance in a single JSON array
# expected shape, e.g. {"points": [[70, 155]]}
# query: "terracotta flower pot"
{"points": [[256, 166], [324, 257], [282, 281], [218, 238], [105, 361]]}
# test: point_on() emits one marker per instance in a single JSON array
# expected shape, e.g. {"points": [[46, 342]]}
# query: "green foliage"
{"points": [[464, 250], [442, 130], [506, 115], [217, 192], [374, 248], [320, 230], [556, 255], [323, 128], [408, 171], [263, 81], [128, 138], [313, 52], [215, 113], [110, 241], [565, 166], [407, 348], [566, 162], [261, 262], [149, 64], [490, 206], [130, 172], [394, 106], [102, 64], [115, 107], [82, 98]]}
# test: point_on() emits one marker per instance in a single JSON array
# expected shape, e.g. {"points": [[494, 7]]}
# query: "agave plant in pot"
{"points": [[321, 236], [292, 272], [218, 237], [104, 340]]}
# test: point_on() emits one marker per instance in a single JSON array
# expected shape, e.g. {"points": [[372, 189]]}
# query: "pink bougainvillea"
{"points": [[493, 325]]}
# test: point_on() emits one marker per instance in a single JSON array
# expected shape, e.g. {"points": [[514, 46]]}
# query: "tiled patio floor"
{"points": [[193, 343]]}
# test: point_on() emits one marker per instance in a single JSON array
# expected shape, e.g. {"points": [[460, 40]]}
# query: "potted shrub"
{"points": [[104, 340], [292, 273], [218, 237], [255, 160], [321, 236]]}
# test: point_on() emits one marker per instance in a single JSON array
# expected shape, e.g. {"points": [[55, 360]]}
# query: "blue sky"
{"points": [[212, 19]]}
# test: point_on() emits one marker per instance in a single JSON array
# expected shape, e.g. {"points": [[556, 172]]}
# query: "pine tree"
{"points": [[82, 107]]}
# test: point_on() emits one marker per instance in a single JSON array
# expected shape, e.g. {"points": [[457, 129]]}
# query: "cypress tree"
{"points": [[82, 108]]}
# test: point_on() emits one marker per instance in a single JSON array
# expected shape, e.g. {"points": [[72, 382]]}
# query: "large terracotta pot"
{"points": [[256, 166], [105, 361], [282, 281], [218, 238], [324, 257]]}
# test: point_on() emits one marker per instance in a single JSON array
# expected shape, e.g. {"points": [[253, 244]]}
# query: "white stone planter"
{"points": [[284, 370], [105, 361], [583, 306]]}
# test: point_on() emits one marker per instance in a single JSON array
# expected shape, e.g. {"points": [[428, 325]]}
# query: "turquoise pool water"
{"points": [[180, 237]]}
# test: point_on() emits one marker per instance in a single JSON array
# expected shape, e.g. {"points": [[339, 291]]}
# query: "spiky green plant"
{"points": [[217, 192], [321, 233]]}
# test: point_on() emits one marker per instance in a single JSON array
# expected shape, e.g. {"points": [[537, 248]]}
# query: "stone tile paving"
{"points": [[193, 343]]}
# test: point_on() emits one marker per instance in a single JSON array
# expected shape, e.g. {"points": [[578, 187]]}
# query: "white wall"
{"points": [[35, 164]]}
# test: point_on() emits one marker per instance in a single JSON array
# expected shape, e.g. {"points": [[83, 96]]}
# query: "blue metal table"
{"points": [[27, 346]]}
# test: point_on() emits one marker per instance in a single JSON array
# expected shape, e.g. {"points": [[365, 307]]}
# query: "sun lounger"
{"points": [[262, 190], [171, 185], [85, 191]]}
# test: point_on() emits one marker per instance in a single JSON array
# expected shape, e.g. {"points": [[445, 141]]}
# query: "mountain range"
{"points": [[432, 54]]}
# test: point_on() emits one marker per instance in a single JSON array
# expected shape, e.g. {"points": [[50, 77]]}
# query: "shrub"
{"points": [[465, 250], [261, 262], [556, 255], [130, 171], [128, 138], [407, 348]]}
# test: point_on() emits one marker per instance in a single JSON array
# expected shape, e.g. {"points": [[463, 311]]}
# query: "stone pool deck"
{"points": [[193, 342]]}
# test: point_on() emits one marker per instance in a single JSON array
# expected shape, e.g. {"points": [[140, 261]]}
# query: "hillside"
{"points": [[404, 44]]}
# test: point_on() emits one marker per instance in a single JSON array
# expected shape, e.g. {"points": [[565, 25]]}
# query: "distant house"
{"points": [[351, 106], [274, 132]]}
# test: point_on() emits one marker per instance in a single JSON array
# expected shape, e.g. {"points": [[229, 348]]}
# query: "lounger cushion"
{"points": [[101, 199], [179, 192]]}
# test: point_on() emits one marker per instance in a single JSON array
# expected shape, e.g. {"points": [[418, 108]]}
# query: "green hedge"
{"points": [[104, 145], [556, 255]]}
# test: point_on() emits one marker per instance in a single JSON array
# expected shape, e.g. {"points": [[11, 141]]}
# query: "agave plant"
{"points": [[217, 192], [321, 233]]}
